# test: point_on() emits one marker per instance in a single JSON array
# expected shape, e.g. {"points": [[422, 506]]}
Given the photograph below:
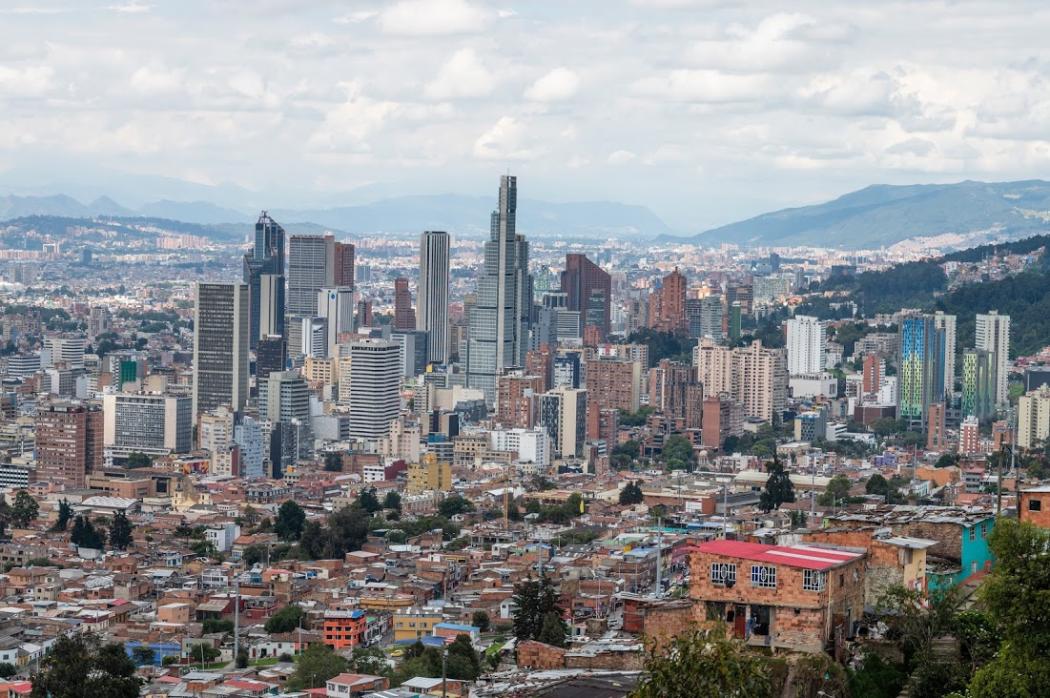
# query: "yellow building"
{"points": [[414, 624], [317, 370], [429, 474]]}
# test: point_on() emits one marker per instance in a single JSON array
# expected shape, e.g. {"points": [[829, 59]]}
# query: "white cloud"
{"points": [[156, 80], [356, 17], [621, 157], [131, 8], [557, 85], [505, 140], [28, 81], [780, 42], [463, 75], [433, 17], [709, 86]]}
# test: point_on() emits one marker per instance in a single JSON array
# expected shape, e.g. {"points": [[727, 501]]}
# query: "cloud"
{"points": [[621, 157], [462, 76], [156, 80], [556, 86], [789, 42], [505, 140], [28, 81], [131, 8], [433, 18], [356, 17], [705, 86]]}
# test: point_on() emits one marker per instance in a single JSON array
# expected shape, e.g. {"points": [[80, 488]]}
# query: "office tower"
{"points": [[220, 347], [717, 421], [741, 293], [669, 383], [215, 429], [1033, 418], [873, 374], [992, 333], [946, 323], [68, 443], [432, 292], [500, 319], [667, 304], [313, 336], [375, 385], [404, 315], [145, 423], [761, 379], [248, 436], [22, 365], [588, 290], [336, 305], [65, 350], [735, 321], [288, 402], [540, 362], [264, 273], [614, 384], [517, 401], [364, 314], [270, 355], [413, 345], [567, 370], [99, 322], [712, 318], [806, 345], [920, 379], [692, 316], [979, 383], [343, 272], [563, 413], [970, 435], [311, 267], [936, 436]]}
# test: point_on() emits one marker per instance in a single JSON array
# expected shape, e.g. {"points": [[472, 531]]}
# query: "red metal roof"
{"points": [[804, 556]]}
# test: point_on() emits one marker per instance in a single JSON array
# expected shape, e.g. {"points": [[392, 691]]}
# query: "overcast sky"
{"points": [[705, 111]]}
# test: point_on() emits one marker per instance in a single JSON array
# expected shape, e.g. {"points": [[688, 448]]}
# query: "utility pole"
{"points": [[444, 673], [236, 619], [659, 550]]}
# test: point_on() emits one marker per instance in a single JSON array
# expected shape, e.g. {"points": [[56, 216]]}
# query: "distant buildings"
{"points": [[992, 334], [667, 305], [432, 293], [220, 347], [69, 438], [588, 289], [921, 367], [806, 345], [375, 387]]}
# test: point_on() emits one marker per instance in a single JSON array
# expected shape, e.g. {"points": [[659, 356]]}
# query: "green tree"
{"points": [[241, 660], [535, 602], [120, 532], [202, 653], [779, 489], [704, 664], [143, 655], [367, 500], [678, 454], [553, 630], [455, 504], [82, 665], [631, 493], [25, 509], [625, 454], [139, 460], [217, 625], [463, 661], [837, 492], [85, 535], [480, 620], [333, 462], [65, 514], [286, 620], [369, 660], [290, 520], [392, 501], [7, 670], [344, 531], [317, 663]]}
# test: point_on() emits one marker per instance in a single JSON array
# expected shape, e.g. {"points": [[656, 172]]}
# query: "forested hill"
{"points": [[1024, 297]]}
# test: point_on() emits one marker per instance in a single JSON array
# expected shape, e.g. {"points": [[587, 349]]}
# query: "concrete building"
{"points": [[614, 384], [155, 425], [375, 385], [432, 293], [68, 443], [588, 290], [517, 400], [404, 313], [220, 347], [806, 345], [667, 304], [946, 324], [992, 333], [1033, 418], [336, 305], [563, 413], [429, 474]]}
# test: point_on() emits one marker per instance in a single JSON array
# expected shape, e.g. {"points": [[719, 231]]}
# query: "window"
{"points": [[723, 574], [984, 529], [973, 533], [764, 576], [1035, 505], [813, 580]]}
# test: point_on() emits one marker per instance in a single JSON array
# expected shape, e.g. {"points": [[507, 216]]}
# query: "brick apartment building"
{"points": [[797, 597]]}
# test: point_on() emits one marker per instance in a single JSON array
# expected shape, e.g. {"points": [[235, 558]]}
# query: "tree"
{"points": [[290, 520], [678, 454], [85, 535], [392, 501], [286, 620], [217, 625], [316, 665], [65, 513], [623, 455], [481, 621], [367, 500], [553, 630], [25, 509], [120, 532], [704, 664], [631, 493], [535, 602], [463, 661], [837, 491], [455, 504], [139, 460], [241, 660], [946, 460], [333, 462], [7, 670], [143, 655], [779, 489], [202, 652], [81, 665], [344, 531], [369, 660]]}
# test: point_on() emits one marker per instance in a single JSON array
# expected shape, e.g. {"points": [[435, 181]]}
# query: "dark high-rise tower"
{"points": [[500, 319], [404, 315], [432, 293], [589, 291], [220, 347], [264, 272]]}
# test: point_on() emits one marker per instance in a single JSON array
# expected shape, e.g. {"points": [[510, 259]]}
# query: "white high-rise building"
{"points": [[248, 435], [563, 413], [432, 313], [62, 350], [336, 306], [375, 387], [806, 345], [153, 424], [220, 347], [947, 323], [992, 333]]}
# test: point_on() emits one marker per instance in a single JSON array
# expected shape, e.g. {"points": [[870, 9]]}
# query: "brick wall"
{"points": [[539, 656], [660, 624]]}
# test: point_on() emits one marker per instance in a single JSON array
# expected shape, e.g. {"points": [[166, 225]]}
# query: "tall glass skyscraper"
{"points": [[500, 319], [921, 361], [264, 272], [432, 292]]}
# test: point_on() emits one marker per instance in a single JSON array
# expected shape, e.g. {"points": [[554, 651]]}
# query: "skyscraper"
{"points": [[563, 414], [588, 288], [150, 423], [920, 382], [68, 443], [500, 319], [806, 345], [220, 347], [432, 294], [288, 402], [979, 382], [311, 267], [344, 265], [946, 323], [375, 387], [992, 333], [667, 305], [264, 272], [404, 315], [336, 305], [712, 318]]}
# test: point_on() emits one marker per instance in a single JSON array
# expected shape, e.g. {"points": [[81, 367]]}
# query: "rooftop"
{"points": [[803, 556]]}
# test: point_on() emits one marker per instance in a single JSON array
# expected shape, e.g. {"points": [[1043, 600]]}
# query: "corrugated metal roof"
{"points": [[802, 556]]}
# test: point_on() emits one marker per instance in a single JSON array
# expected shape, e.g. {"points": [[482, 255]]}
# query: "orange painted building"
{"points": [[344, 629]]}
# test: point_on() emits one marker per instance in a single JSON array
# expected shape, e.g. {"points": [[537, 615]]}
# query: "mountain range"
{"points": [[969, 213]]}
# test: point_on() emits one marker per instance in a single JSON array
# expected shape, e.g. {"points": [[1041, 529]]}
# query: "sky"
{"points": [[705, 111]]}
